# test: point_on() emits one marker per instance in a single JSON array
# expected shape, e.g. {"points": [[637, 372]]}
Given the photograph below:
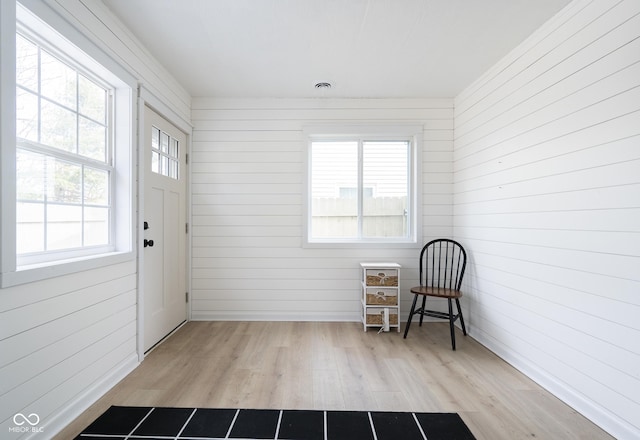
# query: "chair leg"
{"points": [[464, 329], [424, 303], [451, 326], [413, 308]]}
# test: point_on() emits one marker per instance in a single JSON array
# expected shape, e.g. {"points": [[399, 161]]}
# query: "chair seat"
{"points": [[440, 292]]}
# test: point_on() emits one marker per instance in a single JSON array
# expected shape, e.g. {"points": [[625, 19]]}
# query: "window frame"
{"points": [[411, 133], [107, 165], [41, 22]]}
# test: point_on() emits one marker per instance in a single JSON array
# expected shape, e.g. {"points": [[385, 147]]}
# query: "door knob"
{"points": [[148, 243]]}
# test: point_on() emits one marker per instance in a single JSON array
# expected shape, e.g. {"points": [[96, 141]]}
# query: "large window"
{"points": [[361, 189], [67, 168], [63, 158]]}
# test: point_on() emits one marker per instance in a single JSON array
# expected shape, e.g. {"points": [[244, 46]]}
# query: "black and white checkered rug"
{"points": [[126, 422]]}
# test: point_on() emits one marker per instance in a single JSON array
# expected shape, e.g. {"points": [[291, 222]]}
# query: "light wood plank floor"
{"points": [[295, 365]]}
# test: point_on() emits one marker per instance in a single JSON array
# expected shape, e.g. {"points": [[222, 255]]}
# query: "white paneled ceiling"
{"points": [[364, 48]]}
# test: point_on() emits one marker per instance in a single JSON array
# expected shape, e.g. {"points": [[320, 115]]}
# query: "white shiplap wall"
{"points": [[247, 205], [547, 202], [104, 29], [65, 341]]}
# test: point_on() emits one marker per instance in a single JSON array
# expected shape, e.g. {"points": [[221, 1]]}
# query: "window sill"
{"points": [[361, 244], [38, 272]]}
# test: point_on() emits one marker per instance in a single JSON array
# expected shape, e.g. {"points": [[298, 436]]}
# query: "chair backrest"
{"points": [[442, 264]]}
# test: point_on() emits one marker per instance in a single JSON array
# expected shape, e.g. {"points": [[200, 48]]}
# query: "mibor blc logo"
{"points": [[26, 423]]}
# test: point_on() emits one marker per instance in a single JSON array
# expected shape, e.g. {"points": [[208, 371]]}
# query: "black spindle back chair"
{"points": [[442, 265]]}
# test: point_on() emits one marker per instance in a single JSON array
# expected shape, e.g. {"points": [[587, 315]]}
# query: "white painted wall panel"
{"points": [[62, 338], [96, 21], [547, 203], [247, 183], [65, 341]]}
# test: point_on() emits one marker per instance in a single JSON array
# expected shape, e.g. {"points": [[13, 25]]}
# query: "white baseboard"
{"points": [[57, 422], [615, 426], [275, 317]]}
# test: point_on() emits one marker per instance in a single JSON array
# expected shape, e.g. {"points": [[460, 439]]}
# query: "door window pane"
{"points": [[165, 154], [164, 167], [173, 168], [155, 162], [155, 138]]}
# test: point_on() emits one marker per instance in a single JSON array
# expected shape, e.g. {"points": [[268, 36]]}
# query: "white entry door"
{"points": [[165, 303]]}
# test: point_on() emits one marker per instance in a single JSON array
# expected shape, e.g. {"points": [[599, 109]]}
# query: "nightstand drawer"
{"points": [[382, 297], [375, 316], [382, 277]]}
